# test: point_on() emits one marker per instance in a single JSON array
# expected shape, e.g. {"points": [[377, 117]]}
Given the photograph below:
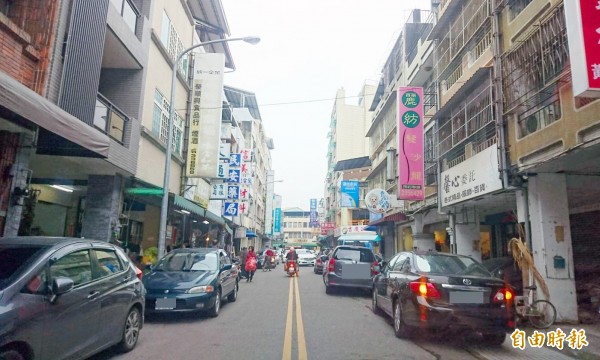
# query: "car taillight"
{"points": [[503, 295], [375, 268], [425, 289], [331, 266], [138, 272]]}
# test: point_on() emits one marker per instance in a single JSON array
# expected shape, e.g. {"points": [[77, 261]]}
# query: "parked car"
{"points": [[321, 260], [505, 268], [67, 298], [439, 291], [350, 267], [191, 279]]}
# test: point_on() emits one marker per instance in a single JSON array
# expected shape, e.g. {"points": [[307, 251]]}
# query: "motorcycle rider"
{"points": [[269, 254], [292, 256]]}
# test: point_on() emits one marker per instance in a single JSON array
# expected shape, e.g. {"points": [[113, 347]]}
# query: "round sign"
{"points": [[410, 99], [377, 201], [411, 119]]}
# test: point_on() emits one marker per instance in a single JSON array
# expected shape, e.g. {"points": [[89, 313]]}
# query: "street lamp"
{"points": [[165, 198]]}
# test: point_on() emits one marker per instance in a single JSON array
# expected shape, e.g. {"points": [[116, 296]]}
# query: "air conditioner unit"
{"points": [[531, 124]]}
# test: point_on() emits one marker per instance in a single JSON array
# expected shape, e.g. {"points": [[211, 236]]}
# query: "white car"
{"points": [[305, 257]]}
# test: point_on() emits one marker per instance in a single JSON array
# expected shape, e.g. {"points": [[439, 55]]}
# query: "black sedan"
{"points": [[191, 279], [439, 291], [67, 298]]}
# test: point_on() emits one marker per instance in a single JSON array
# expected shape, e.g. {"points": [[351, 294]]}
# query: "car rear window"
{"points": [[14, 260], [450, 265], [359, 255]]}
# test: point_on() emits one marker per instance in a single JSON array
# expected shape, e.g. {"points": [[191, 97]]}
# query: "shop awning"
{"points": [[250, 234], [81, 138], [228, 229], [359, 237], [306, 245], [389, 218], [188, 205], [214, 218]]}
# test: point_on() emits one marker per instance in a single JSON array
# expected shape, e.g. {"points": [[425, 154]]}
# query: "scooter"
{"points": [[269, 263], [292, 268]]}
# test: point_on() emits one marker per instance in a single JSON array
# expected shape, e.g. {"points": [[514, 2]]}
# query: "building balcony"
{"points": [[110, 120]]}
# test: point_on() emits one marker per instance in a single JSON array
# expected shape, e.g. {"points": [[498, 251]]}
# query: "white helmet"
{"points": [[291, 248]]}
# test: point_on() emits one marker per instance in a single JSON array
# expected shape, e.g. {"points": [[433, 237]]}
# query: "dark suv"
{"points": [[67, 298], [350, 267]]}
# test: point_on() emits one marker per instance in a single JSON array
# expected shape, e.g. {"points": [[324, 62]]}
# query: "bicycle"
{"points": [[541, 314]]}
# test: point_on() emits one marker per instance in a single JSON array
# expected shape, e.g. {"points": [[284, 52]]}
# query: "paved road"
{"points": [[277, 317]]}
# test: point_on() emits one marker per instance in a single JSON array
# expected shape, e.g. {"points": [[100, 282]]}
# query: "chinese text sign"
{"points": [[411, 185]]}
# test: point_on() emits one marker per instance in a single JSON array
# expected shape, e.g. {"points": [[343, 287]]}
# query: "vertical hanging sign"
{"points": [[582, 18], [205, 125], [411, 185]]}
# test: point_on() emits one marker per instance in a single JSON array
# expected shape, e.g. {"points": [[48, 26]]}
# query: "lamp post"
{"points": [[165, 198]]}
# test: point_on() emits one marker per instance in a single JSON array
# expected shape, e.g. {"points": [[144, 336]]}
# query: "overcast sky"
{"points": [[308, 50]]}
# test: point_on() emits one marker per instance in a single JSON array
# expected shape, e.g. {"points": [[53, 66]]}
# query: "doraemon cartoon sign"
{"points": [[377, 201]]}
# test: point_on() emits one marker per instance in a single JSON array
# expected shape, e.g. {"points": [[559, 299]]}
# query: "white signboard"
{"points": [[473, 177], [219, 191], [205, 123]]}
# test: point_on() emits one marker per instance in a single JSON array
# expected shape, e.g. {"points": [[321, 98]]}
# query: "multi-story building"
{"points": [[552, 137], [296, 230], [191, 216], [71, 84], [246, 113], [85, 132], [410, 63], [346, 137], [508, 147]]}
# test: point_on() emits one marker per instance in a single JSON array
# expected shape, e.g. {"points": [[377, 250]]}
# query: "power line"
{"points": [[299, 101]]}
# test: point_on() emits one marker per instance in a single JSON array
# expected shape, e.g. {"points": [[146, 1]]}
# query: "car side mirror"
{"points": [[60, 285], [226, 267]]}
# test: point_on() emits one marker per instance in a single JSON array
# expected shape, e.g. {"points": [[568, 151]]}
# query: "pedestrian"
{"points": [[243, 253], [250, 263]]}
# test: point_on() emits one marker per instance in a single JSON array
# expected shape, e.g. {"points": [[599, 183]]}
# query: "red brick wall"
{"points": [[9, 143], [26, 39]]}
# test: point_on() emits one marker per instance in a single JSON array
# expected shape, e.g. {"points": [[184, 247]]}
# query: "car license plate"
{"points": [[356, 271], [164, 304], [466, 297]]}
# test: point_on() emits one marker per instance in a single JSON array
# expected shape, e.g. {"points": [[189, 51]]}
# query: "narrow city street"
{"points": [[339, 326]]}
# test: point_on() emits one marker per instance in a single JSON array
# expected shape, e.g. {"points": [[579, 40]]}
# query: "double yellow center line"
{"points": [[287, 341]]}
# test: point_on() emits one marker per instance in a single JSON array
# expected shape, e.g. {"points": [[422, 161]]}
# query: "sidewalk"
{"points": [[508, 351]]}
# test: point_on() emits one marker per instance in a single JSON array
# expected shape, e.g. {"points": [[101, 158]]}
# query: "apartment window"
{"points": [[172, 43], [516, 6], [160, 123], [128, 12]]}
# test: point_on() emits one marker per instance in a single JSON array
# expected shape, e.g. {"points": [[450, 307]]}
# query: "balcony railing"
{"points": [[128, 12], [109, 119]]}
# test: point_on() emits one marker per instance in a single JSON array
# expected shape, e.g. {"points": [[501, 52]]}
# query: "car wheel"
{"points": [[11, 354], [495, 338], [233, 295], [214, 311], [315, 270], [374, 305], [131, 331], [400, 329]]}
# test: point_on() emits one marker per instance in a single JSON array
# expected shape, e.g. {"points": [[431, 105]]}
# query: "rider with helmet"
{"points": [[292, 256]]}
